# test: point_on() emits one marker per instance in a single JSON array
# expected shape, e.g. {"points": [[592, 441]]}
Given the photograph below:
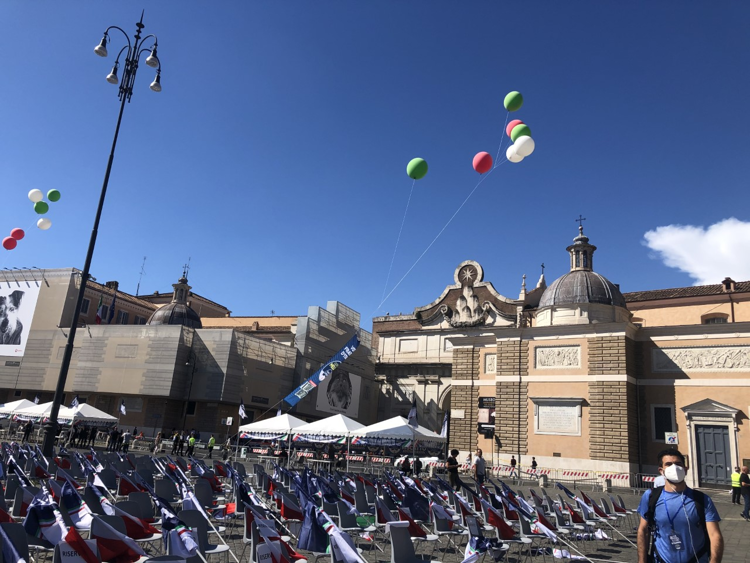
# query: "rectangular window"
{"points": [[139, 320], [715, 321], [122, 317], [105, 312], [16, 393], [662, 420], [85, 306], [190, 408]]}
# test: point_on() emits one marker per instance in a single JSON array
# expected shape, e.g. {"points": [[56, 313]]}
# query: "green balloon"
{"points": [[53, 195], [417, 168], [513, 101], [520, 130], [41, 207]]}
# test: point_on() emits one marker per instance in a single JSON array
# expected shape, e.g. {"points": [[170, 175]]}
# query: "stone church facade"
{"points": [[568, 373]]}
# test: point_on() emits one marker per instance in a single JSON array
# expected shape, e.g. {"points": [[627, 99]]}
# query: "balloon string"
{"points": [[408, 201], [502, 137], [460, 207]]}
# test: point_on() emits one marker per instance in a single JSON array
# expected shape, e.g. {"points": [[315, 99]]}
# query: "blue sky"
{"points": [[275, 155]]}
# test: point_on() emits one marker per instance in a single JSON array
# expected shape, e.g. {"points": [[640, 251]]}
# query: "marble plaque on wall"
{"points": [[557, 357], [557, 419], [716, 358]]}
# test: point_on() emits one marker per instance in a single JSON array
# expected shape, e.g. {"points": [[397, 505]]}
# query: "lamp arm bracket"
{"points": [[121, 31]]}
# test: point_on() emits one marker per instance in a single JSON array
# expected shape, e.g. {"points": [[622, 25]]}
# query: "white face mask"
{"points": [[674, 473]]}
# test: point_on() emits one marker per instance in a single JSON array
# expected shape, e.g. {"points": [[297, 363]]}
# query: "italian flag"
{"points": [[99, 310]]}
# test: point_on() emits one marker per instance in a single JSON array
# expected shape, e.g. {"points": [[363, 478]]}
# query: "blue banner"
{"points": [[327, 369]]}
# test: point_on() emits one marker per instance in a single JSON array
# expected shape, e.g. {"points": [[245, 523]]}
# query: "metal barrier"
{"points": [[643, 481]]}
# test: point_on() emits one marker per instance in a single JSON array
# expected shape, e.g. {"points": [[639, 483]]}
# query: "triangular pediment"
{"points": [[709, 406]]}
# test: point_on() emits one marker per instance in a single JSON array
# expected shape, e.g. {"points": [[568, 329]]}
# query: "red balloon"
{"points": [[482, 162], [511, 125], [9, 243], [17, 234]]}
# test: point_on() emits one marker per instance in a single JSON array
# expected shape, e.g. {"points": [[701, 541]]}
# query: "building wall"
{"points": [[678, 312]]}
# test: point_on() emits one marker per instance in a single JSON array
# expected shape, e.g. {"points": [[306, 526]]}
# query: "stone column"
{"points": [[511, 401], [464, 397]]}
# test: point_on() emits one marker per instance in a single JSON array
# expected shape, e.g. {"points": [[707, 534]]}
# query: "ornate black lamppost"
{"points": [[133, 51]]}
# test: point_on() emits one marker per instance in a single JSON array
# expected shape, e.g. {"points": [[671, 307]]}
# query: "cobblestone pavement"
{"points": [[618, 549]]}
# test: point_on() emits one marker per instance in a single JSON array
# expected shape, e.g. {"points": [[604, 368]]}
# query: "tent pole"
{"points": [[348, 452]]}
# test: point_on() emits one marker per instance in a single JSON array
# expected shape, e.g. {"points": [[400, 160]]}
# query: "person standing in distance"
{"points": [[479, 467], [745, 488], [451, 464], [682, 525], [736, 487]]}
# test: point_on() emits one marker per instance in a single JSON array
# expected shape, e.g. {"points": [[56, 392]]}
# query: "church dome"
{"points": [[582, 286], [178, 312], [581, 296]]}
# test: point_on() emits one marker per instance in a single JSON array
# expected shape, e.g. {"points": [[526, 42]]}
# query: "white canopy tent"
{"points": [[398, 428], [82, 414], [271, 428], [9, 408], [337, 425]]}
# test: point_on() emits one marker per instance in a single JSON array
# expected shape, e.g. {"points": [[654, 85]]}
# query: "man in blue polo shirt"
{"points": [[676, 523]]}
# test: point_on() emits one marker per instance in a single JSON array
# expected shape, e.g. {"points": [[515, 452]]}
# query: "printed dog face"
{"points": [[10, 327], [340, 390]]}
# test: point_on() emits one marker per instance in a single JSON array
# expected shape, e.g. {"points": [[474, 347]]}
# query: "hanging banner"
{"points": [[327, 369]]}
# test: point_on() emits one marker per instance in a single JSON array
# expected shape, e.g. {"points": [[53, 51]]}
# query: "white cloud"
{"points": [[706, 255]]}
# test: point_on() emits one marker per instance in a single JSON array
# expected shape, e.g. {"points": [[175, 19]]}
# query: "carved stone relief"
{"points": [[557, 356], [490, 363], [720, 358]]}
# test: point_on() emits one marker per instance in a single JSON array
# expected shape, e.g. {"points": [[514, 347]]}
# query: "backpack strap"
{"points": [[653, 499]]}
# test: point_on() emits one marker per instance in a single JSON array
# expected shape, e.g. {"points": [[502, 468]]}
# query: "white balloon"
{"points": [[44, 223], [512, 155], [36, 195], [524, 146]]}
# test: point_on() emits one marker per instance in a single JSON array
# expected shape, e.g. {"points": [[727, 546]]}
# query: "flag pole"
{"points": [[237, 443]]}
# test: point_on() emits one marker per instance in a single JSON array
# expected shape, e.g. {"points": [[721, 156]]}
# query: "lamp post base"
{"points": [[50, 435]]}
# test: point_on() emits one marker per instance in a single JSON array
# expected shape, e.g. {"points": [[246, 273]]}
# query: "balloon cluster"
{"points": [[523, 145], [9, 243], [42, 207]]}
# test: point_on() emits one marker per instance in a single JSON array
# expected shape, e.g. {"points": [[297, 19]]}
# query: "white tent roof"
{"points": [[86, 412], [398, 428], [275, 425], [83, 412], [8, 408], [336, 425], [36, 410]]}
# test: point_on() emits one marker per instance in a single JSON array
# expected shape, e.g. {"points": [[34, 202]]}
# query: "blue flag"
{"points": [[312, 535], [111, 314], [8, 550], [326, 370]]}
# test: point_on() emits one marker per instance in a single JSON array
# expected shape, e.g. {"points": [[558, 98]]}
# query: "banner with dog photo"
{"points": [[339, 394], [17, 306]]}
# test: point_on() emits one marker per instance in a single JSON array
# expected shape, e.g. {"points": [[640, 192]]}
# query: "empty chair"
{"points": [[57, 558], [198, 523], [348, 522], [92, 500], [402, 548], [360, 499], [109, 478], [131, 507], [166, 489], [10, 487], [143, 500], [147, 476]]}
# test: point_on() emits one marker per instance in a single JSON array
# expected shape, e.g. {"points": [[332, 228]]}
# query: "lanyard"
{"points": [[666, 508]]}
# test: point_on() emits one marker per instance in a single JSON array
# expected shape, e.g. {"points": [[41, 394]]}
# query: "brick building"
{"points": [[577, 374]]}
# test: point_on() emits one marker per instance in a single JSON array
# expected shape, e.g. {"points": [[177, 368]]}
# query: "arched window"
{"points": [[578, 258], [714, 319]]}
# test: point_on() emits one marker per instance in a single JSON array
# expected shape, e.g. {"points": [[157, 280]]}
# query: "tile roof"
{"points": [[676, 292], [121, 295]]}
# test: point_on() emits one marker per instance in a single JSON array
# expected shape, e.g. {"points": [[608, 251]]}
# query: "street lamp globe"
{"points": [[156, 84], [101, 48], [112, 76], [152, 60]]}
